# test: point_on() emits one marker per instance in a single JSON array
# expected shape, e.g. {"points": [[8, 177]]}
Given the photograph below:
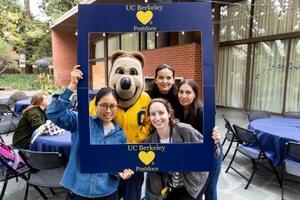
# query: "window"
{"points": [[130, 41], [113, 44], [274, 17], [269, 75], [99, 51], [293, 83], [231, 76], [234, 24], [150, 40]]}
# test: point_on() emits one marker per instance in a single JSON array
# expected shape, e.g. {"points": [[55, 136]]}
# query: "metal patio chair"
{"points": [[291, 163], [249, 146], [295, 115], [7, 172], [47, 169], [8, 120], [255, 114], [229, 135], [74, 102], [6, 111]]}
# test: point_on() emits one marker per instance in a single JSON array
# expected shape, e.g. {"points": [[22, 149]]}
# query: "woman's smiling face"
{"points": [[186, 95], [107, 108], [164, 80], [159, 115]]}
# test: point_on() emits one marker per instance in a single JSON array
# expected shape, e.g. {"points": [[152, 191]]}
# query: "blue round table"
{"points": [[53, 143], [273, 133], [21, 105]]}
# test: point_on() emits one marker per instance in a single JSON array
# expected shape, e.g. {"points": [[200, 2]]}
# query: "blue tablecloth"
{"points": [[92, 94], [54, 143], [21, 105], [273, 133]]}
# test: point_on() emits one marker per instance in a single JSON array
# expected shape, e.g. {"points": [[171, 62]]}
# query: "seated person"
{"points": [[32, 118]]}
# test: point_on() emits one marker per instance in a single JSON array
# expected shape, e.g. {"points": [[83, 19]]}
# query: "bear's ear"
{"points": [[139, 56], [116, 55], [135, 54]]}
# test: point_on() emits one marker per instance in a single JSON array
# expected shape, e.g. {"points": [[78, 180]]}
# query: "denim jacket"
{"points": [[88, 185]]}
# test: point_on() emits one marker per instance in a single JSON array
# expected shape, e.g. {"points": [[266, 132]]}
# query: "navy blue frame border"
{"points": [[174, 17]]}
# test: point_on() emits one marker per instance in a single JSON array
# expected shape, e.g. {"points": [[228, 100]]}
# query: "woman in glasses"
{"points": [[103, 129], [191, 112]]}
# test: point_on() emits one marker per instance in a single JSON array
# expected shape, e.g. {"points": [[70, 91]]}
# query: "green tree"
{"points": [[12, 24], [37, 40], [24, 33], [5, 60], [56, 8]]}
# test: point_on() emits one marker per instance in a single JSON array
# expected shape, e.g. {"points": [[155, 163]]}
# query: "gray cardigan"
{"points": [[193, 181]]}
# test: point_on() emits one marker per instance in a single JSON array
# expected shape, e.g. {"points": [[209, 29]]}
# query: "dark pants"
{"points": [[182, 194], [211, 189], [113, 196], [131, 189]]}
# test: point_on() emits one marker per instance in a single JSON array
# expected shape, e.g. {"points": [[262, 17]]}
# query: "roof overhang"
{"points": [[68, 22]]}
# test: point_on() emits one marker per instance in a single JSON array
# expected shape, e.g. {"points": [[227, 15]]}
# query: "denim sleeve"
{"points": [[123, 138], [59, 111]]}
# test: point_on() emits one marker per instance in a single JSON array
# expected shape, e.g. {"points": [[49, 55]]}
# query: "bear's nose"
{"points": [[125, 83]]}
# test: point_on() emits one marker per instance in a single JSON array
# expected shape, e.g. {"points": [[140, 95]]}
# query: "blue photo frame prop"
{"points": [[169, 17]]}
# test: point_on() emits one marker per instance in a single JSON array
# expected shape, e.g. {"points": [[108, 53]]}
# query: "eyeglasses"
{"points": [[104, 107], [187, 92]]}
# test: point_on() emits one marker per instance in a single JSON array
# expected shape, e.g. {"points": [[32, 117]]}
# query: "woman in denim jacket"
{"points": [[103, 130]]}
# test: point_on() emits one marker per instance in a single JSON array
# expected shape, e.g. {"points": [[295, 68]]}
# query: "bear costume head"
{"points": [[126, 77]]}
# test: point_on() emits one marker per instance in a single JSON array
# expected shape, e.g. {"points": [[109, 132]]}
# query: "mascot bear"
{"points": [[126, 78]]}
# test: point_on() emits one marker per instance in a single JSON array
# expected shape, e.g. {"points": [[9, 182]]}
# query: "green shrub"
{"points": [[30, 82], [19, 81], [47, 84]]}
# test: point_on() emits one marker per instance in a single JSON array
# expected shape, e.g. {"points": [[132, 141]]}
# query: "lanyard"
{"points": [[163, 175]]}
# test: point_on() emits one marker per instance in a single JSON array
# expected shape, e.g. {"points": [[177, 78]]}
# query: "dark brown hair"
{"points": [[164, 66], [172, 120], [196, 104], [173, 90]]}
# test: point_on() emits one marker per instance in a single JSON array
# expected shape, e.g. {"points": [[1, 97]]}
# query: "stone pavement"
{"points": [[4, 94], [230, 187]]}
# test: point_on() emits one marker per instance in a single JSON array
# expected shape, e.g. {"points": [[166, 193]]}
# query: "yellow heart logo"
{"points": [[144, 17], [146, 157]]}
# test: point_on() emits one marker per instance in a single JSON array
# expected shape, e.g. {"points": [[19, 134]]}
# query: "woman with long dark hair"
{"points": [[191, 112]]}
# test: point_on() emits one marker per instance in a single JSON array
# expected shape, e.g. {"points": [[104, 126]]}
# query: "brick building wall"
{"points": [[64, 56], [186, 60]]}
